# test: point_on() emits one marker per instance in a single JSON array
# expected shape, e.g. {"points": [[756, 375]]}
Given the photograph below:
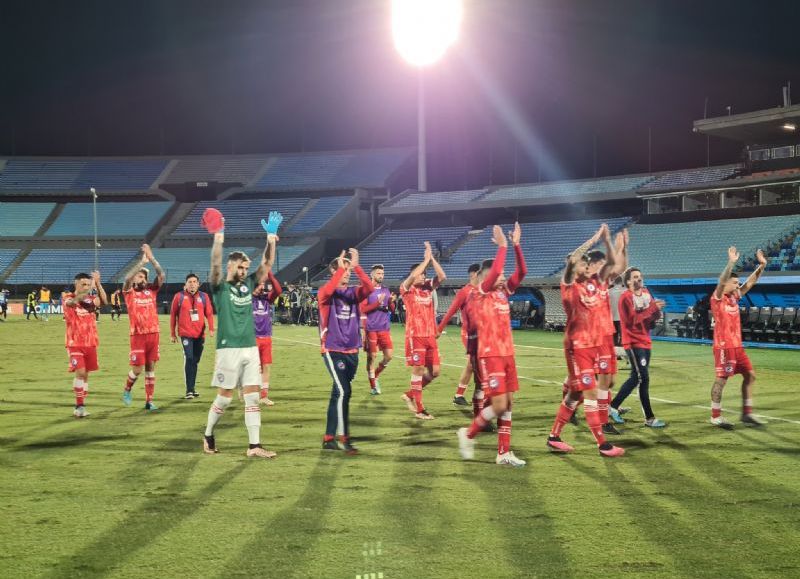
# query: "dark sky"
{"points": [[530, 86]]}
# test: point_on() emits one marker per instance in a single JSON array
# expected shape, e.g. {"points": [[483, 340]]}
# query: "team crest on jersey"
{"points": [[586, 379], [494, 383], [74, 361], [133, 357], [643, 362], [243, 289], [603, 364], [591, 287], [340, 364], [729, 369], [415, 357], [147, 292], [185, 342], [220, 378]]}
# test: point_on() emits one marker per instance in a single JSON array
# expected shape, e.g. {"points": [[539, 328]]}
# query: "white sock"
{"points": [[488, 414], [265, 386], [252, 417], [215, 413]]}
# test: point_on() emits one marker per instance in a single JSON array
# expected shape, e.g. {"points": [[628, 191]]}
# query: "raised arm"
{"points": [[160, 276], [611, 256], [751, 281], [277, 290], [458, 303], [326, 291], [215, 276], [440, 274], [131, 271], [366, 287], [428, 256], [267, 259], [569, 271], [77, 298], [521, 269], [733, 257], [620, 255], [499, 238], [101, 293]]}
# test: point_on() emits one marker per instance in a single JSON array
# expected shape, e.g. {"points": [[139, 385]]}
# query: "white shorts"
{"points": [[237, 367]]}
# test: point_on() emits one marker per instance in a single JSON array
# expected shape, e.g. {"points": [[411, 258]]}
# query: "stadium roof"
{"points": [[763, 126]]}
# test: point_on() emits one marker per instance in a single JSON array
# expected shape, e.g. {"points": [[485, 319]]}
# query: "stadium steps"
{"points": [[164, 174], [57, 210], [456, 245], [299, 215], [170, 222], [15, 263], [261, 172]]}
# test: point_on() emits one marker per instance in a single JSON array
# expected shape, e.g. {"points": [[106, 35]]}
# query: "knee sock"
{"points": [[264, 390], [215, 413], [79, 389], [416, 392], [602, 405], [747, 406], [593, 421], [461, 389], [131, 380], [149, 386], [504, 432], [716, 409], [381, 367], [477, 401], [481, 420], [371, 377], [565, 412], [252, 418]]}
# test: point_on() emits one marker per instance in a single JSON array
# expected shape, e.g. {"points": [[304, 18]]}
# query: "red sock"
{"points": [[504, 433], [371, 377], [78, 390], [594, 422], [716, 410], [461, 389], [381, 367], [149, 388], [602, 405], [327, 438], [481, 420], [130, 380], [477, 403], [562, 417], [416, 392], [747, 406]]}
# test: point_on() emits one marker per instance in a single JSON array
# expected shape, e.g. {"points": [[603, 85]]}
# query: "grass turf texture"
{"points": [[129, 494]]}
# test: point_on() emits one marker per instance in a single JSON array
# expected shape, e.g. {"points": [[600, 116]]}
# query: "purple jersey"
{"points": [[378, 320], [339, 318], [262, 316]]}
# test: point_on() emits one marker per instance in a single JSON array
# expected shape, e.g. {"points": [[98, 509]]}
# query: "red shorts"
{"points": [[580, 366], [378, 341], [422, 352], [264, 344], [499, 374], [606, 357], [144, 349], [82, 358], [730, 361]]}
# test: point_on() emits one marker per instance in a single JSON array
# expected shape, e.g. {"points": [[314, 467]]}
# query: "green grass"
{"points": [[126, 494]]}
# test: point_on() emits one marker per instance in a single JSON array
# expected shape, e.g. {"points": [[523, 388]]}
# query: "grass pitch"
{"points": [[129, 494]]}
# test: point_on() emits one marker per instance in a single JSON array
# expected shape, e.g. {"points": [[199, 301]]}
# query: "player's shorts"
{"points": [[499, 374], [82, 358], [730, 361], [144, 349], [580, 366], [378, 341], [606, 357], [235, 367], [422, 352], [264, 345]]}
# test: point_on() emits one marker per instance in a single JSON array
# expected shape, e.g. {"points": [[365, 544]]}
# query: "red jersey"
{"points": [[636, 315], [420, 316], [606, 320], [81, 325], [460, 302], [727, 325], [584, 326], [143, 309]]}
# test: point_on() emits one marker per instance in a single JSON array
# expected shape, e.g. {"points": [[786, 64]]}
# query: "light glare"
{"points": [[423, 30]]}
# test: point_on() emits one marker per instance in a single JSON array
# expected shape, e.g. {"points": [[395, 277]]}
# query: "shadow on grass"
{"points": [[154, 517], [67, 442]]}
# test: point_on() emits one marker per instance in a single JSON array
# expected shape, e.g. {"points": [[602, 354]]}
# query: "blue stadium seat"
{"points": [[114, 219], [23, 219], [119, 174], [241, 215], [221, 169], [692, 177], [31, 174], [6, 257], [324, 210], [59, 266], [571, 189], [438, 198]]}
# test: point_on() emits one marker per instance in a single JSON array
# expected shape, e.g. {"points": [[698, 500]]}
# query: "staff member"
{"points": [[190, 309]]}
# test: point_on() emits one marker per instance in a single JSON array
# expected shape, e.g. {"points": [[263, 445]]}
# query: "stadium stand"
{"points": [[23, 219], [225, 170], [700, 247], [71, 174], [322, 212], [127, 174], [114, 219], [399, 249], [241, 215], [570, 189], [59, 266], [545, 245], [439, 198], [554, 315], [6, 257], [693, 177]]}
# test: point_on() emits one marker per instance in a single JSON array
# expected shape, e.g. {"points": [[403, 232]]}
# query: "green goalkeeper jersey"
{"points": [[234, 303]]}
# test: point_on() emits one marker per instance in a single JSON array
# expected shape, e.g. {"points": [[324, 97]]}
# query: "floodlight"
{"points": [[423, 30]]}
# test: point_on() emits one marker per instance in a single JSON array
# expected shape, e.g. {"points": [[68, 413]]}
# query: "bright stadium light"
{"points": [[424, 29]]}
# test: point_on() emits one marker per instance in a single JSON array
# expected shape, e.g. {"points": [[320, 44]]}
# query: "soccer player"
{"points": [[44, 303], [141, 299], [4, 303], [378, 308], [263, 300], [189, 311], [638, 310], [729, 355], [583, 337], [602, 268], [496, 348], [237, 362], [341, 340], [30, 302], [81, 334], [460, 303], [422, 352], [116, 304]]}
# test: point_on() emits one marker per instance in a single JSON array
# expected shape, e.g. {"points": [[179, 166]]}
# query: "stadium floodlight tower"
{"points": [[423, 30]]}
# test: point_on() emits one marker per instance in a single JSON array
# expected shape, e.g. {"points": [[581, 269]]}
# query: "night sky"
{"points": [[529, 88]]}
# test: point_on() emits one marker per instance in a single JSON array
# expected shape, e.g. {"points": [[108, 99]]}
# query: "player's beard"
{"points": [[141, 286]]}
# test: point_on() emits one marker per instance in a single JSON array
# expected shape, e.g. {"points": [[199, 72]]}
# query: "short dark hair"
{"points": [[486, 264], [628, 273], [595, 255], [238, 256], [377, 266], [412, 268], [81, 275], [334, 264], [192, 275], [474, 268]]}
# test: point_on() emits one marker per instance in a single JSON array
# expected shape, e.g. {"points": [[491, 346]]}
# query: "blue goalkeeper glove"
{"points": [[271, 225]]}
